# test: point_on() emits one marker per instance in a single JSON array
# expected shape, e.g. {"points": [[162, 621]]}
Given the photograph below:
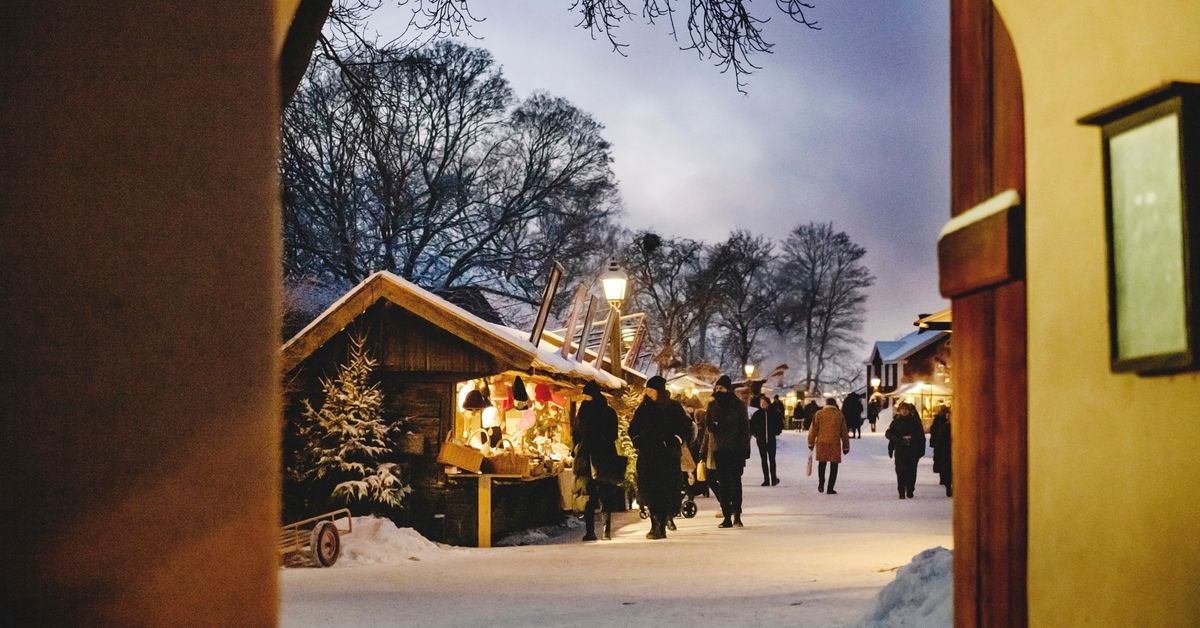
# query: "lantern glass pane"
{"points": [[1147, 235]]}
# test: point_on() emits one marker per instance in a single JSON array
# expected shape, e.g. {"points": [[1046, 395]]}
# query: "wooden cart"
{"points": [[319, 537]]}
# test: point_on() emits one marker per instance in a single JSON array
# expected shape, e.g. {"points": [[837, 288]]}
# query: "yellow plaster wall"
{"points": [[1114, 460]]}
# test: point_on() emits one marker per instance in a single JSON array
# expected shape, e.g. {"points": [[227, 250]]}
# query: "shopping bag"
{"points": [[686, 463], [808, 467], [701, 472]]}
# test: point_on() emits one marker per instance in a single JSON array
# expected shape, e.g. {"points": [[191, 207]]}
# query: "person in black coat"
{"points": [[658, 429], [730, 429], [765, 426], [597, 464], [906, 443], [852, 409], [873, 407], [810, 411], [939, 440]]}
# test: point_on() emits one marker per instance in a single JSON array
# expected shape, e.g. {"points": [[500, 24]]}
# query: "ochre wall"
{"points": [[1114, 501], [139, 304]]}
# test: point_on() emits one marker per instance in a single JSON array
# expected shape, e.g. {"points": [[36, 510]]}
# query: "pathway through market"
{"points": [[803, 559]]}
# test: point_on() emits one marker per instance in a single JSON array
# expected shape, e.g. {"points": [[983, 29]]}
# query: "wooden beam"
{"points": [[984, 252]]}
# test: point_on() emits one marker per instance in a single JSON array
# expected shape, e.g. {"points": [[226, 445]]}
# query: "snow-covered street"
{"points": [[803, 559]]}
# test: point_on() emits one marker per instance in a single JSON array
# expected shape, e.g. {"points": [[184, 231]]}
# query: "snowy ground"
{"points": [[803, 559]]}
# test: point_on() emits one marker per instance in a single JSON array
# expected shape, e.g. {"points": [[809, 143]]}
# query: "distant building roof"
{"points": [[896, 350], [938, 320]]}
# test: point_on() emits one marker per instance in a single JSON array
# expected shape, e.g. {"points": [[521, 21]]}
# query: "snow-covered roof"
{"points": [[554, 340], [510, 344], [687, 380], [549, 359], [895, 350], [938, 320]]}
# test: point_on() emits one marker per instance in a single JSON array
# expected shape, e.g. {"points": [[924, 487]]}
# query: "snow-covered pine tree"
{"points": [[349, 438]]}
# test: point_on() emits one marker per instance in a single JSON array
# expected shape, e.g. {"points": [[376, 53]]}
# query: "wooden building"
{"points": [[428, 350], [922, 356]]}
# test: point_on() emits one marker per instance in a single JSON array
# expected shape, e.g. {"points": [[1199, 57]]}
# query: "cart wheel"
{"points": [[643, 513], [326, 544], [689, 509]]}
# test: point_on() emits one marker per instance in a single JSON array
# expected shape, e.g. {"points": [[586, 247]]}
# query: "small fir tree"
{"points": [[625, 405], [348, 437]]}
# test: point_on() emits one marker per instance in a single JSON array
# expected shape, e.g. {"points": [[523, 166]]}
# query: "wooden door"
{"points": [[981, 266]]}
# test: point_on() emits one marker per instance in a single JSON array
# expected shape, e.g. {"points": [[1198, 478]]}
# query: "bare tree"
{"points": [[676, 285], [726, 32], [747, 292], [424, 164], [823, 284]]}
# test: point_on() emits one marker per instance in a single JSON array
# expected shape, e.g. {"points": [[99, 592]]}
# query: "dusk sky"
{"points": [[848, 124]]}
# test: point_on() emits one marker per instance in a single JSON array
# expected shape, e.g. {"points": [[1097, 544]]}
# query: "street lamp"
{"points": [[749, 369], [614, 280]]}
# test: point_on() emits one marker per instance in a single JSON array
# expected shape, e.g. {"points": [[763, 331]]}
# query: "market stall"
{"points": [[483, 416]]}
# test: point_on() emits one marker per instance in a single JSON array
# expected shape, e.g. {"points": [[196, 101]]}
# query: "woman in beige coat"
{"points": [[830, 439]]}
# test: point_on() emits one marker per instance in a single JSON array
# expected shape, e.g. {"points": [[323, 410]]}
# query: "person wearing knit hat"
{"points": [[599, 470], [658, 429], [729, 430]]}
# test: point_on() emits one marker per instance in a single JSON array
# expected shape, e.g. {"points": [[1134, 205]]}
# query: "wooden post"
{"points": [[485, 510], [586, 332], [572, 318]]}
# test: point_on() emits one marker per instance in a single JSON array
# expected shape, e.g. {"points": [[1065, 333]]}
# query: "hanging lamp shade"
{"points": [[542, 392], [475, 401]]}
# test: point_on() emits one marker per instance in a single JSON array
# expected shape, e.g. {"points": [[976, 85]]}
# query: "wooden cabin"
{"points": [[428, 350], [922, 356]]}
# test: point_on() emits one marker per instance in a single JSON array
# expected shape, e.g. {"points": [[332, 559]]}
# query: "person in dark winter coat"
{"points": [[778, 408], [939, 440], [810, 411], [852, 409], [730, 429], [798, 417], [830, 440], [658, 429], [597, 463], [765, 426], [906, 443], [873, 407]]}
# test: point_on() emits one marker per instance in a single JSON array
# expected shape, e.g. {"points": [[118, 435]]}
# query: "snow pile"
{"points": [[376, 541], [921, 595], [545, 535]]}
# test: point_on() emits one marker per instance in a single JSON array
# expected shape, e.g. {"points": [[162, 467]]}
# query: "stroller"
{"points": [[687, 499]]}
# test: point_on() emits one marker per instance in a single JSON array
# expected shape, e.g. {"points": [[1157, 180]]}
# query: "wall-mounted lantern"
{"points": [[1151, 150]]}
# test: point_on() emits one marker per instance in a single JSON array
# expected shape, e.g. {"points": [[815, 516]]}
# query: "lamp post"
{"points": [[614, 282], [749, 369]]}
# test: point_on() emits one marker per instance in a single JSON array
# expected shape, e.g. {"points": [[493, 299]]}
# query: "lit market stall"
{"points": [[483, 415]]}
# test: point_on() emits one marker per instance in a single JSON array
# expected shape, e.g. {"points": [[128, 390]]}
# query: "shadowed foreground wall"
{"points": [[139, 293], [1113, 460]]}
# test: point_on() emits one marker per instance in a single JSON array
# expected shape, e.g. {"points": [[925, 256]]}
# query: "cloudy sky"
{"points": [[848, 124]]}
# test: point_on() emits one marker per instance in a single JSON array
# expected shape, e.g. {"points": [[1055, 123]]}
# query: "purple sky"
{"points": [[848, 124]]}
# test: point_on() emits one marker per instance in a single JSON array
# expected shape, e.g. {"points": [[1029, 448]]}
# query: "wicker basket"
{"points": [[460, 455], [506, 461]]}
